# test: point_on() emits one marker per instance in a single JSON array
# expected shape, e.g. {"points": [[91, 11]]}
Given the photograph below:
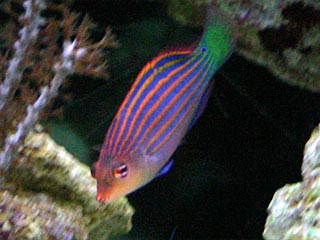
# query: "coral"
{"points": [[37, 216], [28, 34], [275, 34], [50, 195], [294, 209], [47, 51], [45, 193]]}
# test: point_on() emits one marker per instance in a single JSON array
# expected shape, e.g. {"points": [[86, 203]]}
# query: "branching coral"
{"points": [[41, 45], [49, 49], [28, 34]]}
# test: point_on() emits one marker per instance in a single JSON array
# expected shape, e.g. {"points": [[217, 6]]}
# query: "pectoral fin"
{"points": [[165, 169]]}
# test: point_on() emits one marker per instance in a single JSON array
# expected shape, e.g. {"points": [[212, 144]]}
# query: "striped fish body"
{"points": [[164, 102]]}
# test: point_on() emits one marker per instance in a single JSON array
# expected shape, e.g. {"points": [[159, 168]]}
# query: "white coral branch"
{"points": [[62, 70], [28, 34]]}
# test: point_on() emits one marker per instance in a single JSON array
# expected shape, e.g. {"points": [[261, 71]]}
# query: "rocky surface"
{"points": [[294, 210], [48, 194], [282, 35]]}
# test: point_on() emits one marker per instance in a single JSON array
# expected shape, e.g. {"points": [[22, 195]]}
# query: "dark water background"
{"points": [[248, 143]]}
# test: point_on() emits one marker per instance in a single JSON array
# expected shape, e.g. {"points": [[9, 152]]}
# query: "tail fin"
{"points": [[218, 36]]}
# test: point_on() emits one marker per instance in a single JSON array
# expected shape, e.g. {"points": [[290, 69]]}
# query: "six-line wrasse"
{"points": [[164, 102]]}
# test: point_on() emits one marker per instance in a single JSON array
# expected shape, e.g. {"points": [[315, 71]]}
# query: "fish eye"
{"points": [[120, 170]]}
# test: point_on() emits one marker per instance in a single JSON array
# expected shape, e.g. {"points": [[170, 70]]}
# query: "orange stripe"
{"points": [[114, 142], [150, 95], [156, 148], [159, 133], [159, 117], [132, 105], [146, 100]]}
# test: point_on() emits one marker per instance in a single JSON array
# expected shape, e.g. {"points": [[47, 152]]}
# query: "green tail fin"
{"points": [[218, 37]]}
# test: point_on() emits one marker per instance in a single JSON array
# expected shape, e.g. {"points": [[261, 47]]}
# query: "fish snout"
{"points": [[103, 194], [103, 198]]}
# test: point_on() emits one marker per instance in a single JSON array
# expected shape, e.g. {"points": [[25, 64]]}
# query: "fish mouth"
{"points": [[102, 199]]}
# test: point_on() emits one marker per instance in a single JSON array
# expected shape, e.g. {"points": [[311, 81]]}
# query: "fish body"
{"points": [[166, 99]]}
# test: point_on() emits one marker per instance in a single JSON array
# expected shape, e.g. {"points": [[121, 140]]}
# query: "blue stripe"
{"points": [[167, 101], [151, 71], [124, 108], [145, 93], [183, 112]]}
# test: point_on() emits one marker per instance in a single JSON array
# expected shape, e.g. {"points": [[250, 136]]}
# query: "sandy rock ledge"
{"points": [[48, 194], [294, 212]]}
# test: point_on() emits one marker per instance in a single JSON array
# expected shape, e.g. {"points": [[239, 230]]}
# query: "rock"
{"points": [[275, 34], [48, 194], [294, 210]]}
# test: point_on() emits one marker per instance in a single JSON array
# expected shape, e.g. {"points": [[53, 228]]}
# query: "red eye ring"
{"points": [[120, 170]]}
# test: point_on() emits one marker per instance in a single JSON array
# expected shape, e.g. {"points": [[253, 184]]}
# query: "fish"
{"points": [[164, 102]]}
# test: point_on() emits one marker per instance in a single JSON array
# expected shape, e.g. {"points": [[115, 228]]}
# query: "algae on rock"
{"points": [[48, 194], [294, 210], [282, 35]]}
